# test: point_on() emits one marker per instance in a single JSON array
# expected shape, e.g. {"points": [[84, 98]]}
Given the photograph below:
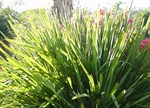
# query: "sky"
{"points": [[91, 4]]}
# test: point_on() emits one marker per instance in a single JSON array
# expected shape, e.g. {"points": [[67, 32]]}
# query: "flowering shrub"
{"points": [[76, 64]]}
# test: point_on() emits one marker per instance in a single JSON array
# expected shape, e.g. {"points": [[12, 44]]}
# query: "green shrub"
{"points": [[30, 13], [4, 25], [90, 61]]}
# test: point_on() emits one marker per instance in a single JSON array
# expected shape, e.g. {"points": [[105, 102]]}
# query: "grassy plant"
{"points": [[93, 61]]}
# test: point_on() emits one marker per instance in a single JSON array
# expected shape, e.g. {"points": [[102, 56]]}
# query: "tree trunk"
{"points": [[63, 7]]}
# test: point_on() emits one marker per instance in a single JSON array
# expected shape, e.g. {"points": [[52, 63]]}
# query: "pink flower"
{"points": [[130, 20], [145, 43], [102, 11], [141, 45]]}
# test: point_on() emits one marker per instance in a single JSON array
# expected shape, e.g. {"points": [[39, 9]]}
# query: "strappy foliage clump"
{"points": [[88, 61]]}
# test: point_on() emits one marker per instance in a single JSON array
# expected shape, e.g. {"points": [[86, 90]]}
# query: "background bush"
{"points": [[4, 17], [90, 61]]}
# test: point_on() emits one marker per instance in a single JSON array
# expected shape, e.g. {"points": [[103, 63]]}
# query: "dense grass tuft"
{"points": [[90, 61]]}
